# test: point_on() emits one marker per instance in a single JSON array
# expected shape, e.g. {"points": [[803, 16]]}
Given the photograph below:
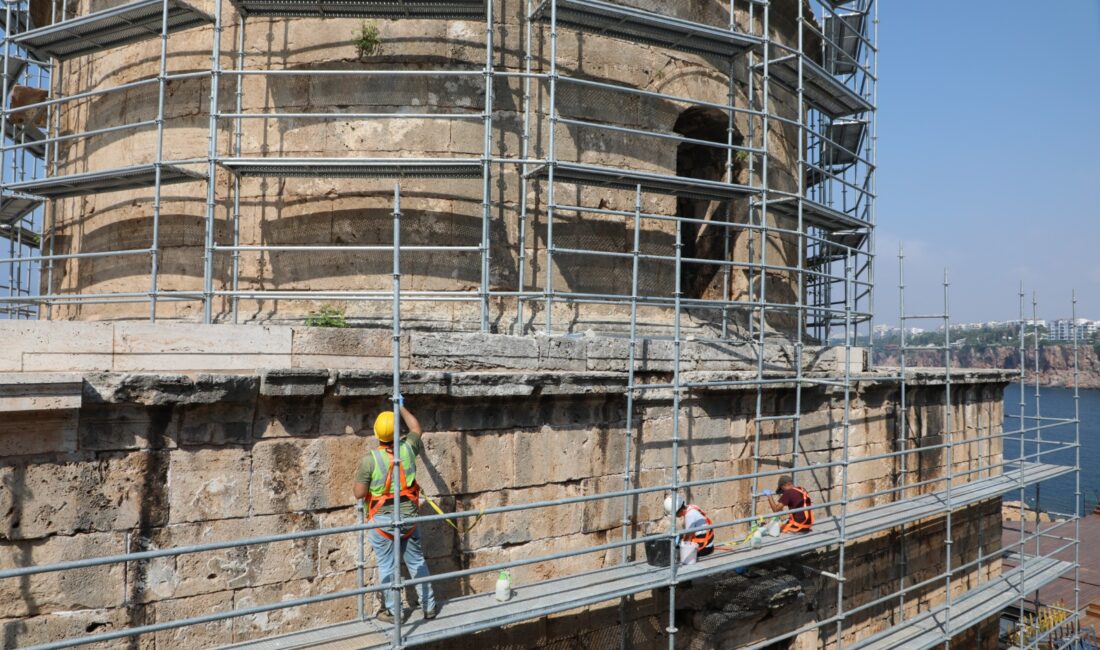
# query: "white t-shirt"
{"points": [[694, 519]]}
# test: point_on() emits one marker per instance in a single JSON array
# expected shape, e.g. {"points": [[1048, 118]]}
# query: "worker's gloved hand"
{"points": [[768, 492], [400, 400]]}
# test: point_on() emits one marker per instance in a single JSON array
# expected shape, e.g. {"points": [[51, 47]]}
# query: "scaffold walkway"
{"points": [[468, 614], [13, 208], [422, 9], [627, 179], [817, 214], [637, 25], [111, 180], [973, 607], [821, 89], [110, 28]]}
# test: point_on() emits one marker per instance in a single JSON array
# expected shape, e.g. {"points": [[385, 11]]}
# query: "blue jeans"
{"points": [[386, 557]]}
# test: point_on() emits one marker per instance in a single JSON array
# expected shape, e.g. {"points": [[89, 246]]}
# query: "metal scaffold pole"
{"points": [[158, 162], [630, 404], [397, 584], [212, 171], [949, 539]]}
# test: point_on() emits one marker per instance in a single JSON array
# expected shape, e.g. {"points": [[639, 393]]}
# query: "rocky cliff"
{"points": [[1055, 361]]}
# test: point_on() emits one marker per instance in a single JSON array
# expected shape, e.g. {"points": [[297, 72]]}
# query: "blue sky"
{"points": [[989, 155]]}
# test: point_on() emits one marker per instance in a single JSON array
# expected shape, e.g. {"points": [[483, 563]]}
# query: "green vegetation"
{"points": [[369, 41], [741, 156], [327, 317]]}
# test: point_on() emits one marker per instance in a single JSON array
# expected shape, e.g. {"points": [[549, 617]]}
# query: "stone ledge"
{"points": [[40, 391]]}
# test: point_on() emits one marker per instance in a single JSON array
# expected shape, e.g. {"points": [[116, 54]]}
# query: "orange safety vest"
{"points": [[410, 491], [793, 526], [701, 539]]}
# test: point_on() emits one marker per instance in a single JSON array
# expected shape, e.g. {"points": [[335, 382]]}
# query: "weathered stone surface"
{"points": [[207, 635], [82, 494], [97, 587], [207, 484], [158, 389], [293, 382], [474, 351], [305, 475], [54, 432], [48, 628]]}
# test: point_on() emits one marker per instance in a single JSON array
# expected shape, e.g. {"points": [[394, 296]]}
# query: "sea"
{"points": [[1056, 495]]}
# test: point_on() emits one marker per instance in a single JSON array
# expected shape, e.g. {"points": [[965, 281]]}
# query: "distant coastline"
{"points": [[1055, 361]]}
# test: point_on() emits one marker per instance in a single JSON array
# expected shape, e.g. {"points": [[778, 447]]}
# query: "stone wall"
{"points": [[142, 461], [294, 211]]}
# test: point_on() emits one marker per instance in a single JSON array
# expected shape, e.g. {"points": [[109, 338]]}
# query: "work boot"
{"points": [[385, 615], [431, 613]]}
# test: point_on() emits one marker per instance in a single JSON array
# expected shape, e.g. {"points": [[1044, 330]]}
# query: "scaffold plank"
{"points": [[816, 214], [356, 167], [845, 31], [968, 609], [476, 612], [423, 9], [111, 180], [628, 179], [843, 141], [13, 208], [20, 235], [820, 89], [631, 24], [101, 30]]}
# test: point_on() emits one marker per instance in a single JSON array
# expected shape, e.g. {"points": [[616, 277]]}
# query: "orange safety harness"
{"points": [[409, 491], [794, 526], [704, 538]]}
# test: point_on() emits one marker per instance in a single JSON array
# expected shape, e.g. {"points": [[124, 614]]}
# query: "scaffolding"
{"points": [[829, 73]]}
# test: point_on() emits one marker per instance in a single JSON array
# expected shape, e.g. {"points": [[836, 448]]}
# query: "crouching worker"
{"points": [[793, 497], [692, 544], [374, 482]]}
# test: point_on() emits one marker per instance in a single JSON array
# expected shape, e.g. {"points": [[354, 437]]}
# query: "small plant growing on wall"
{"points": [[741, 156], [327, 317], [369, 40]]}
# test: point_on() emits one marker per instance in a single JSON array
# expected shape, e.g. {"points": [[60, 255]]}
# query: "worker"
{"points": [[793, 497], [374, 483], [701, 541]]}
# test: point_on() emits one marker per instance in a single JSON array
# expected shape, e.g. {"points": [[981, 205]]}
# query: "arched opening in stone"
{"points": [[704, 240]]}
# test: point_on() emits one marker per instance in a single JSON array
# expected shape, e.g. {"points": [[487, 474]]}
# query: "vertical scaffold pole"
{"points": [[903, 432], [237, 128], [212, 170], [1022, 453], [762, 290], [674, 563], [486, 167], [1078, 506], [521, 262], [158, 163], [631, 354], [1038, 444], [396, 583], [551, 162], [800, 269], [842, 538], [949, 443]]}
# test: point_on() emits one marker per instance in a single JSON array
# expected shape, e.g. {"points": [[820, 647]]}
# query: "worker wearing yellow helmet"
{"points": [[375, 484]]}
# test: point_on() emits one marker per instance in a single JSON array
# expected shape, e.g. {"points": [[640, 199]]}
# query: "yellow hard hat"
{"points": [[383, 426]]}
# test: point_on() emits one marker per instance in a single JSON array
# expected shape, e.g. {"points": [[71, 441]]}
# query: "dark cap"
{"points": [[783, 480]]}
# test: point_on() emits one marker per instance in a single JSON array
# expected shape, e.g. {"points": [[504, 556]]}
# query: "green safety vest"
{"points": [[382, 468]]}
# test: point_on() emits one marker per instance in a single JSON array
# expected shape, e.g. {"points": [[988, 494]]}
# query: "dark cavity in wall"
{"points": [[705, 241]]}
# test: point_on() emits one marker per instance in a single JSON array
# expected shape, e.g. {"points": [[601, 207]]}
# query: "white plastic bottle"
{"points": [[504, 587]]}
